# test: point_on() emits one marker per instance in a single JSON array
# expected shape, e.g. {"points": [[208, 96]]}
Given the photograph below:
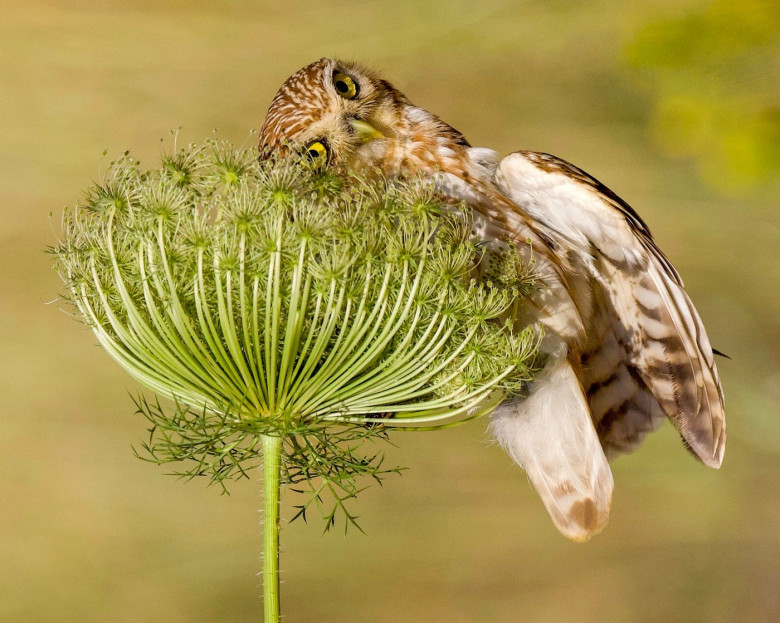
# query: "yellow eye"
{"points": [[345, 86], [317, 154]]}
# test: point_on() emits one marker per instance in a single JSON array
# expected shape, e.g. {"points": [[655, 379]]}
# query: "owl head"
{"points": [[339, 113]]}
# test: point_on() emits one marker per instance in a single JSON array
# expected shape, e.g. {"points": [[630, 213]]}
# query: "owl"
{"points": [[625, 348]]}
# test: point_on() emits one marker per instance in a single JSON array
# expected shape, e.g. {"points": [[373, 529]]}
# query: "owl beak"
{"points": [[364, 131]]}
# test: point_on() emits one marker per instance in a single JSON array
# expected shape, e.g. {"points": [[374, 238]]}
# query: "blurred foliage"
{"points": [[715, 75]]}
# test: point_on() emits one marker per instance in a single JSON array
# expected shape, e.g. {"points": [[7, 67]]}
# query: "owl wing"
{"points": [[645, 353]]}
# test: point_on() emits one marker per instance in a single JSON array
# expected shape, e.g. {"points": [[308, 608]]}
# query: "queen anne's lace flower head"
{"points": [[272, 299]]}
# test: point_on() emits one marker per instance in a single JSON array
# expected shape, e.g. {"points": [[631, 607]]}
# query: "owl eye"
{"points": [[317, 153], [345, 86]]}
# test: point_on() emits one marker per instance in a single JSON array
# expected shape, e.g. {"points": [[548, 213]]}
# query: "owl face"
{"points": [[335, 112]]}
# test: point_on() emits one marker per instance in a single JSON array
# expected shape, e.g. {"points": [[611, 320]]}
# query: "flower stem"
{"points": [[272, 449]]}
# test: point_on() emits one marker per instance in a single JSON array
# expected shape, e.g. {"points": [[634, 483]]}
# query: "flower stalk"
{"points": [[272, 451]]}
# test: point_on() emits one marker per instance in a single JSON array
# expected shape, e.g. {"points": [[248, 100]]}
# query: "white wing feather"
{"points": [[550, 434]]}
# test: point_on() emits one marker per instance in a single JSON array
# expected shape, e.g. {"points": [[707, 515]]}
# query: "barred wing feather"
{"points": [[645, 352]]}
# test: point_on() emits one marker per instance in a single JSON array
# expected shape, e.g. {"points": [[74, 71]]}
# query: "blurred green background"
{"points": [[672, 103]]}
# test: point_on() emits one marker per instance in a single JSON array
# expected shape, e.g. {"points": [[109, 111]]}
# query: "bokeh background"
{"points": [[673, 103]]}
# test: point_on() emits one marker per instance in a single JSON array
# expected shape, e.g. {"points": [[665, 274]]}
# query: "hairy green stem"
{"points": [[272, 449]]}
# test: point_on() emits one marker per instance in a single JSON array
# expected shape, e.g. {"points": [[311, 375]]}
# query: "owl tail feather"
{"points": [[551, 436]]}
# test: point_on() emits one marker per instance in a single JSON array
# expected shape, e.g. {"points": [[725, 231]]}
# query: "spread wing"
{"points": [[645, 353]]}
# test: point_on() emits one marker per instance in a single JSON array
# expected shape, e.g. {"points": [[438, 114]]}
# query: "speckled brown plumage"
{"points": [[626, 348]]}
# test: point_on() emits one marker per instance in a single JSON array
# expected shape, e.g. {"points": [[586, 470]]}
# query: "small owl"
{"points": [[625, 348]]}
